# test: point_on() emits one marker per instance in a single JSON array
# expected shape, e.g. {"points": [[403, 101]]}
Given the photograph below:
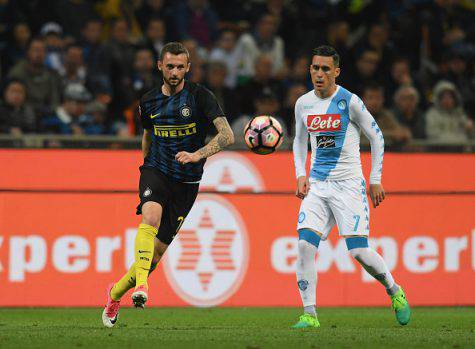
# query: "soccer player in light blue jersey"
{"points": [[334, 192]]}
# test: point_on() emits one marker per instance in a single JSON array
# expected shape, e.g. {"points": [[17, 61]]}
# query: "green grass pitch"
{"points": [[249, 328]]}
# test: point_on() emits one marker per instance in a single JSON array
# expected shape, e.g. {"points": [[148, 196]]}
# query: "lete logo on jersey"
{"points": [[324, 123]]}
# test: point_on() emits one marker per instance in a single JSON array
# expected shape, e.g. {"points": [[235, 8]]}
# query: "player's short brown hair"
{"points": [[174, 48], [327, 51]]}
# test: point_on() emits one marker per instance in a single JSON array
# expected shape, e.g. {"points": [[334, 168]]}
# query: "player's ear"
{"points": [[188, 67], [159, 65], [337, 72]]}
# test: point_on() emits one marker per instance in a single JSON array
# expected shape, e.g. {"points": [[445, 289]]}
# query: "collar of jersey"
{"points": [[329, 97]]}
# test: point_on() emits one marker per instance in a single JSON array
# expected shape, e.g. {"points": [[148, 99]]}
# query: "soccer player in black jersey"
{"points": [[175, 117]]}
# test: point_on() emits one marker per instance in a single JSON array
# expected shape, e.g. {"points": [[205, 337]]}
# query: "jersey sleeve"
{"points": [[145, 116], [208, 104], [300, 145], [363, 118]]}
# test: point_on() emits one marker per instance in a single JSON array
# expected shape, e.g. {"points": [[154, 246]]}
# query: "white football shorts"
{"points": [[342, 202]]}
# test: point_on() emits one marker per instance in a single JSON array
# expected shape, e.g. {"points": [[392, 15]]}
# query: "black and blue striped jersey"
{"points": [[178, 123]]}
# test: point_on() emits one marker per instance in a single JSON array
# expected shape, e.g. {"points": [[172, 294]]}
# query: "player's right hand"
{"points": [[303, 186], [377, 194]]}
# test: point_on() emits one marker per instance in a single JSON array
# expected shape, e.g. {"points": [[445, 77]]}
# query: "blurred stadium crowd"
{"points": [[79, 67]]}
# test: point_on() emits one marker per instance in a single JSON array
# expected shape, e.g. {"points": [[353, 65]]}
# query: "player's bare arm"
{"points": [[146, 142], [224, 138]]}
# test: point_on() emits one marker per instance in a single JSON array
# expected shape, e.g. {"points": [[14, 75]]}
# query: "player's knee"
{"points": [[357, 245], [356, 253], [151, 215], [151, 218], [305, 248], [310, 237], [150, 221]]}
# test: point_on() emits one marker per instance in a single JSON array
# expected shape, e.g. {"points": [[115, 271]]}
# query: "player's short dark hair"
{"points": [[327, 51], [174, 48]]}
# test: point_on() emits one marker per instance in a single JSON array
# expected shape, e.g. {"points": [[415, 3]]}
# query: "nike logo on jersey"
{"points": [[154, 116], [324, 123], [144, 251]]}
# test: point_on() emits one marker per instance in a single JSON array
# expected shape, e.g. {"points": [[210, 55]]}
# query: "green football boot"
{"points": [[401, 307], [306, 321]]}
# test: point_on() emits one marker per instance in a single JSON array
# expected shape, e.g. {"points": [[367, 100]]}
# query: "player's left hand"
{"points": [[184, 157], [376, 193]]}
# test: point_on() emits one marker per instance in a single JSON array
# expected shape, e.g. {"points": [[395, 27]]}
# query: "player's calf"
{"points": [[374, 264], [307, 277]]}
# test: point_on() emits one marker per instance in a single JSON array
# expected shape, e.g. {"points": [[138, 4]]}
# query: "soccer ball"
{"points": [[263, 134]]}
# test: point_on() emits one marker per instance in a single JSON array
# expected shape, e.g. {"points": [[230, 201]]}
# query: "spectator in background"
{"points": [[338, 34], [95, 56], [407, 112], [446, 120], [288, 25], [400, 75], [394, 133], [262, 41], [70, 116], [233, 14], [459, 74], [365, 73], [4, 14], [196, 19], [265, 103], [378, 40], [262, 79], [444, 24], [52, 34], [74, 69], [197, 73], [155, 10], [155, 37], [42, 84], [226, 51], [16, 49], [215, 81], [97, 114], [144, 76], [119, 49], [72, 14], [288, 111], [120, 55], [16, 116], [198, 57], [299, 73], [112, 11], [198, 54]]}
